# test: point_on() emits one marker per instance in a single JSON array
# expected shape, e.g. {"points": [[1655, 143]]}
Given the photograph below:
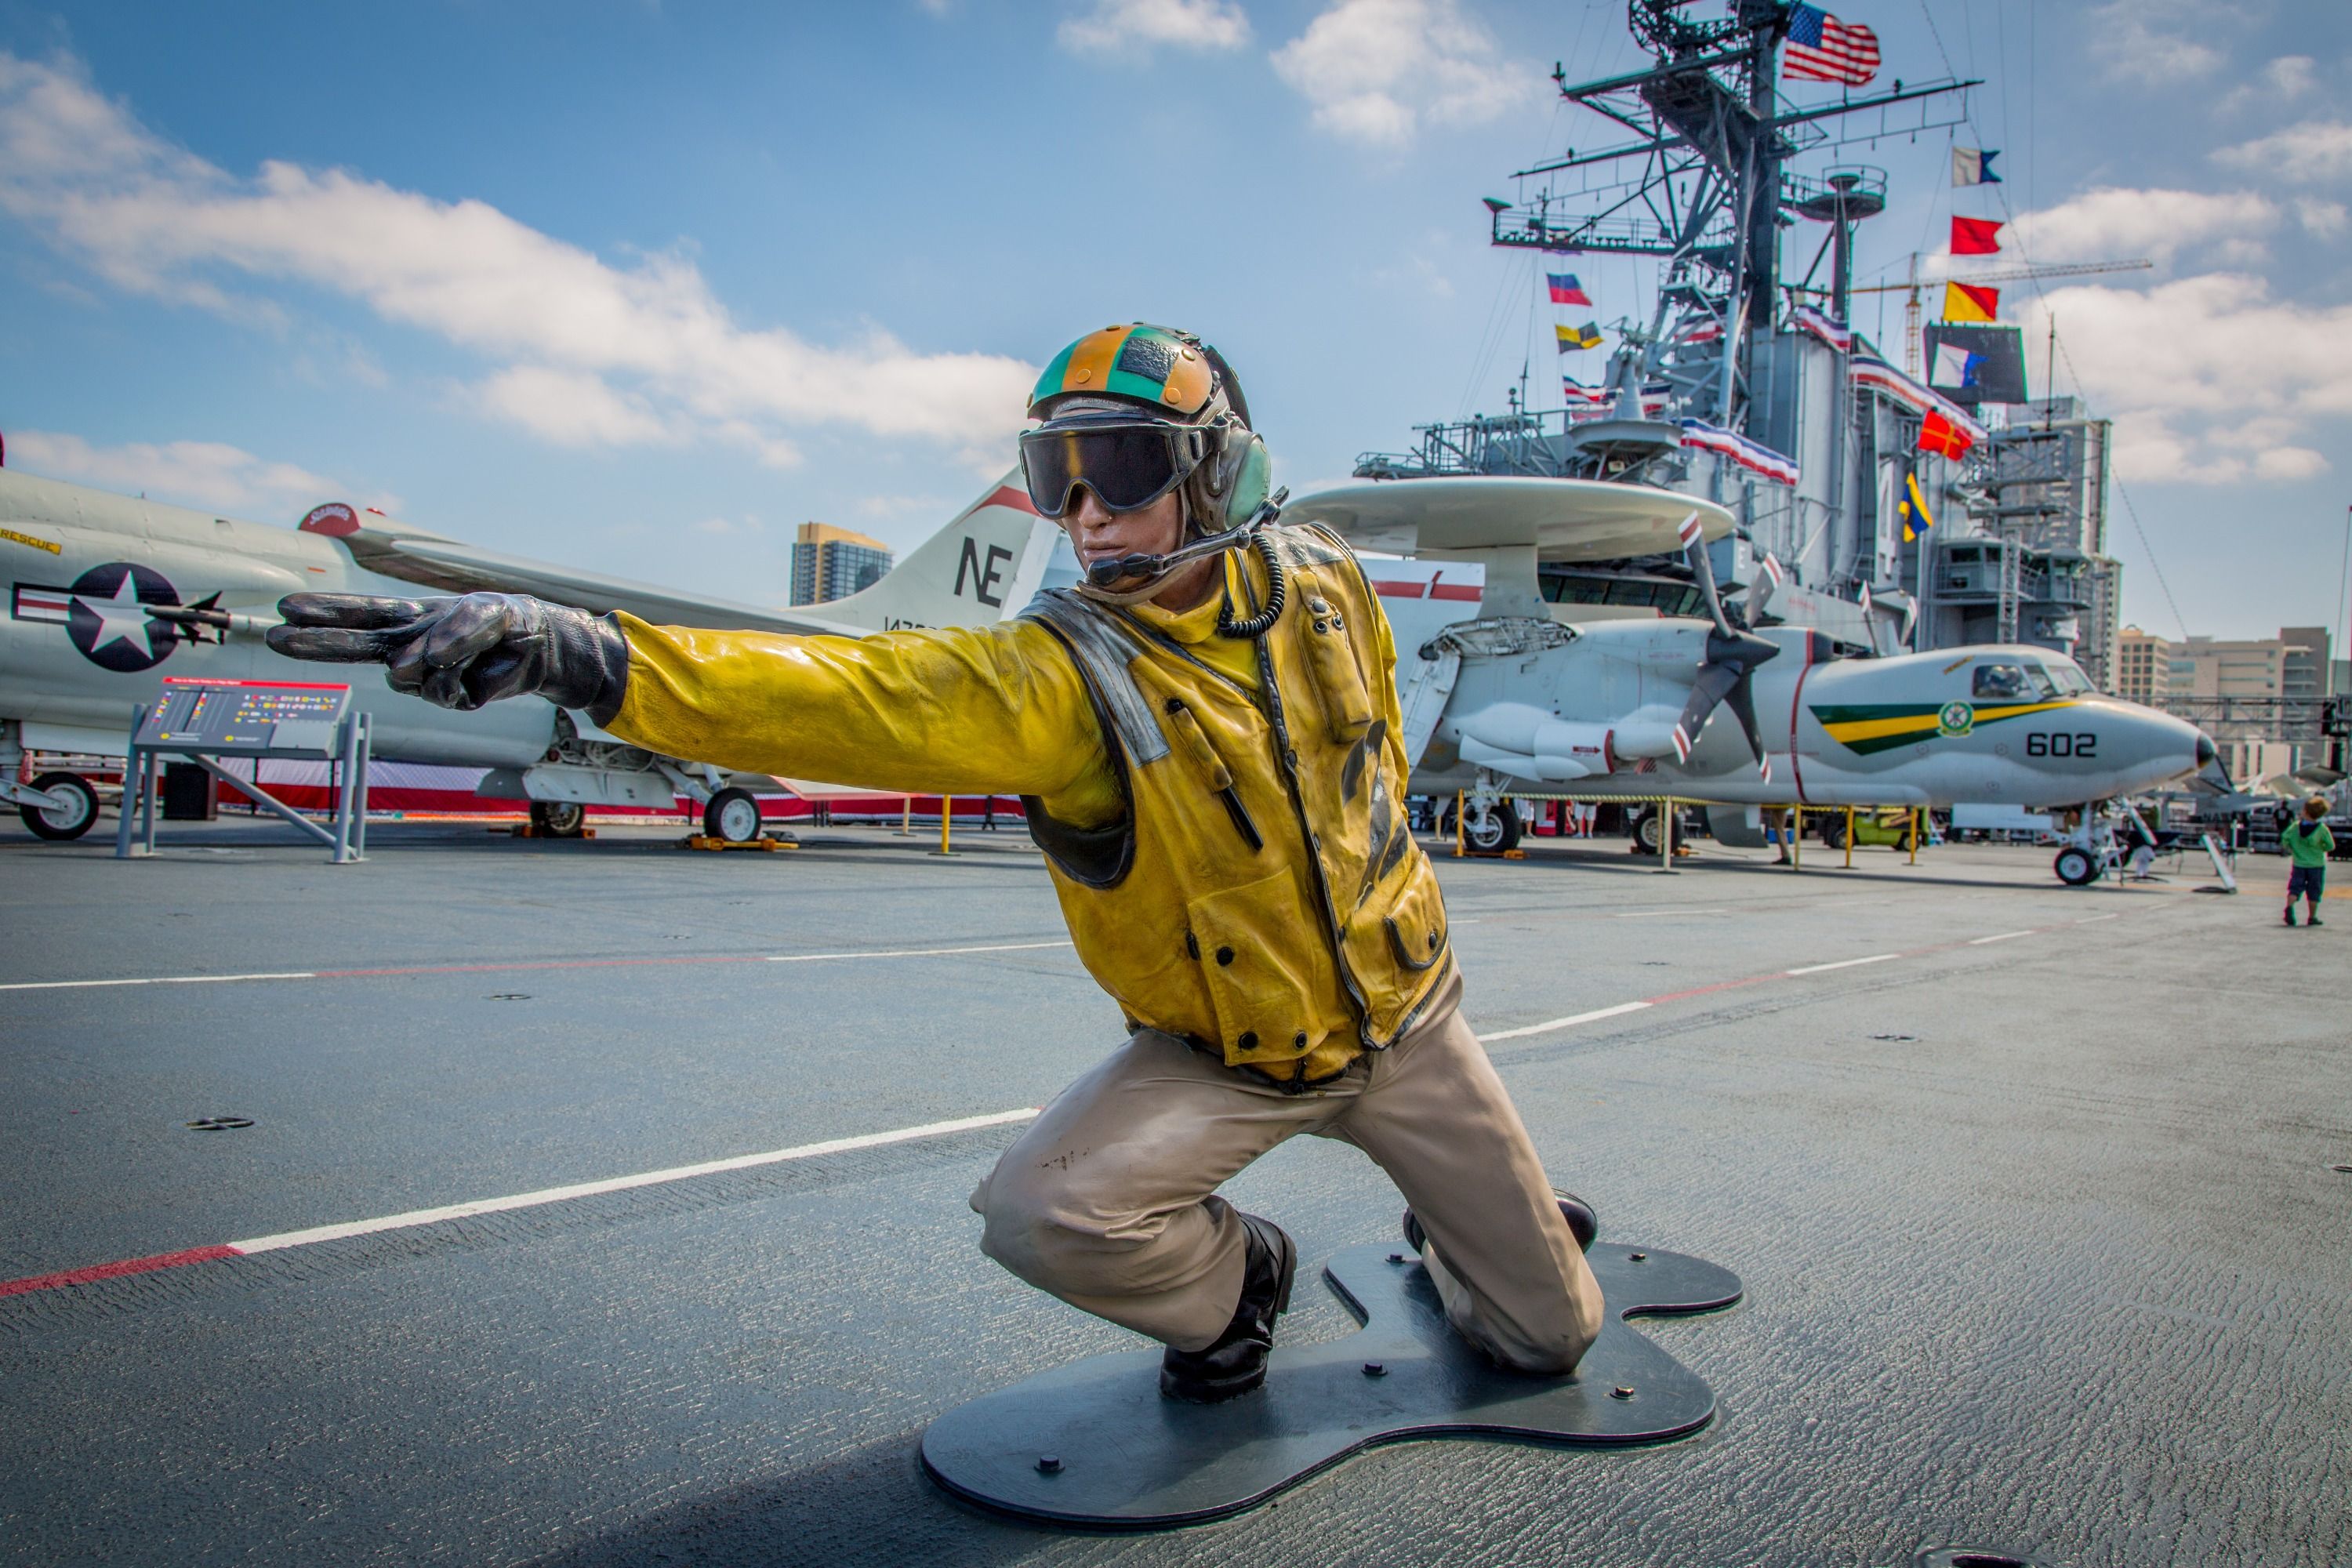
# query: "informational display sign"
{"points": [[203, 721], [248, 717], [1974, 365]]}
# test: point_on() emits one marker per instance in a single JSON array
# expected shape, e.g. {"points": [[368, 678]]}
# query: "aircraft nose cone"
{"points": [[2205, 751]]}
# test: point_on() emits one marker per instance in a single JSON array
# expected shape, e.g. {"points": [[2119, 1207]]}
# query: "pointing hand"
{"points": [[463, 651]]}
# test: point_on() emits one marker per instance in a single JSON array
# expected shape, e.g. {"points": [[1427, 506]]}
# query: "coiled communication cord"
{"points": [[1258, 624]]}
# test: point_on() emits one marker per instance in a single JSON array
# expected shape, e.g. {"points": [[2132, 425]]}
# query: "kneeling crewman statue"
{"points": [[1206, 737]]}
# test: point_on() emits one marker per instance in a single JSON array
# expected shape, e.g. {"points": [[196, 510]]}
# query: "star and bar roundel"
{"points": [[105, 614], [1867, 728]]}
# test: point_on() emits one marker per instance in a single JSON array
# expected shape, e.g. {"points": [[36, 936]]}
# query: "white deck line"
{"points": [[1842, 963], [1662, 914], [622, 1183], [2004, 936], [155, 980], [914, 951], [1567, 1023]]}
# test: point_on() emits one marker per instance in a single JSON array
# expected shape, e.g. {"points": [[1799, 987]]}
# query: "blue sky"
{"points": [[640, 287]]}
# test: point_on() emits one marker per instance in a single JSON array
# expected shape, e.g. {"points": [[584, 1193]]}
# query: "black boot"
{"points": [[1237, 1363], [1582, 1223]]}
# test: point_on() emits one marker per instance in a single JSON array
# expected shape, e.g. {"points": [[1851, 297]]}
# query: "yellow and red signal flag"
{"points": [[1969, 302], [1941, 436], [1975, 236]]}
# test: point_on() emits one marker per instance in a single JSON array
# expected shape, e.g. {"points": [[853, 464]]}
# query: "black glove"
{"points": [[463, 652]]}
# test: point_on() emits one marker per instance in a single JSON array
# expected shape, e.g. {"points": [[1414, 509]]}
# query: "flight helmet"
{"points": [[1133, 412]]}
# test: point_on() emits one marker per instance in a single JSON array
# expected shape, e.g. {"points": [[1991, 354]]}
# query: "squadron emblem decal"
{"points": [[1955, 719], [106, 614]]}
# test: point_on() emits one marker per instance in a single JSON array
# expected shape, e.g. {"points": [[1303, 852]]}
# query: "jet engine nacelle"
{"points": [[1529, 743]]}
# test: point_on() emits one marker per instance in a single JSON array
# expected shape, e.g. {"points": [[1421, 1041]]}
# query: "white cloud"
{"points": [[1126, 26], [556, 320], [202, 474], [2313, 150], [2111, 224], [2136, 40], [1374, 70], [2323, 220], [2282, 80], [897, 506], [569, 408], [2209, 380]]}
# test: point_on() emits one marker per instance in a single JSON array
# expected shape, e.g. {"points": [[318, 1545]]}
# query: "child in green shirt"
{"points": [[2307, 843]]}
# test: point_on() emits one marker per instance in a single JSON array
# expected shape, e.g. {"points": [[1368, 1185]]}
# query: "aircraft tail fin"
{"points": [[985, 565]]}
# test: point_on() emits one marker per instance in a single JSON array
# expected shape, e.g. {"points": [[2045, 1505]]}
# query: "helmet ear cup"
{"points": [[1249, 476]]}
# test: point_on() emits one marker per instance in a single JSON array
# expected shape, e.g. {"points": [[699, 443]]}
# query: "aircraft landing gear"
{"points": [[557, 818], [2076, 868], [732, 815], [73, 808], [1491, 831]]}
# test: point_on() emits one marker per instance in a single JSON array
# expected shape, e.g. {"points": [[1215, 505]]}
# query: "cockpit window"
{"points": [[2004, 683], [2070, 680]]}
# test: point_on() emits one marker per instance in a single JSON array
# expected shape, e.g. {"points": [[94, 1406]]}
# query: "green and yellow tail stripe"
{"points": [[1870, 727]]}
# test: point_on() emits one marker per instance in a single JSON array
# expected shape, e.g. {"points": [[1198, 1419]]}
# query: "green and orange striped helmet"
{"points": [[1173, 373]]}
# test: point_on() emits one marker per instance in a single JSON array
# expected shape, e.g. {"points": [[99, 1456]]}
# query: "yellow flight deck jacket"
{"points": [[1232, 854]]}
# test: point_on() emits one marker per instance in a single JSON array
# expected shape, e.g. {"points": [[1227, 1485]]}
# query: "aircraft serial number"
{"points": [[2062, 743]]}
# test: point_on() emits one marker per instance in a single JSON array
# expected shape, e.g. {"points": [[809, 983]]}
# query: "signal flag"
{"points": [[1566, 290], [1968, 302], [1975, 236], [1941, 436]]}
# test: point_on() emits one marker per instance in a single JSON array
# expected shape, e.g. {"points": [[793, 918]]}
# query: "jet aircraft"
{"points": [[1523, 694], [109, 594]]}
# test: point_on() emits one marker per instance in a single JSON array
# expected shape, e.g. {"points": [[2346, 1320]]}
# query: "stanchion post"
{"points": [[1457, 822], [1919, 826], [1797, 838], [947, 813], [905, 817], [1667, 837], [1849, 838]]}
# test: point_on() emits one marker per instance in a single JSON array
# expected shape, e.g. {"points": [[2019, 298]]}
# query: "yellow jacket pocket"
{"points": [[1264, 982]]}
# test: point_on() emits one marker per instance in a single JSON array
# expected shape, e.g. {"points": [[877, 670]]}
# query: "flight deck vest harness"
{"points": [[1263, 898]]}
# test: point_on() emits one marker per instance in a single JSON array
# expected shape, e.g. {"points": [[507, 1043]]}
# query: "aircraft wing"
{"points": [[466, 568]]}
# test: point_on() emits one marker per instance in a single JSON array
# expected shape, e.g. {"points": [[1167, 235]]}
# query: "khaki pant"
{"points": [[1108, 1200]]}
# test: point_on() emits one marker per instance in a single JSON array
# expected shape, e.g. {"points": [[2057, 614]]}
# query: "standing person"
{"points": [[1206, 738], [2307, 843], [1776, 828]]}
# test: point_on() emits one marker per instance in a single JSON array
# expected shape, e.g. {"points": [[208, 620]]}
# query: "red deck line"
{"points": [[98, 1271]]}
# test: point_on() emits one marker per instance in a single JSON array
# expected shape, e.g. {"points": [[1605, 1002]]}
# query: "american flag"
{"points": [[1823, 48]]}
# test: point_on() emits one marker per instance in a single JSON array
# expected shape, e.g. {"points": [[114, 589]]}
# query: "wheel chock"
{"points": [[765, 842]]}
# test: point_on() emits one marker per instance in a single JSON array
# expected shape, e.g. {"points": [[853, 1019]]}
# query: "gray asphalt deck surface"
{"points": [[2044, 1248]]}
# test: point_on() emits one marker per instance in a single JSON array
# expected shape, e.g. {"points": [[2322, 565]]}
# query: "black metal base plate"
{"points": [[1093, 1444]]}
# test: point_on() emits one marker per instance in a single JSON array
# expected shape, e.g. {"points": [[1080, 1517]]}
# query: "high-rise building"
{"points": [[2143, 666], [831, 563], [2219, 666], [2304, 670]]}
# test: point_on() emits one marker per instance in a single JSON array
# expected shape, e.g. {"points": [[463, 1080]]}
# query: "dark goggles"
{"points": [[1126, 466]]}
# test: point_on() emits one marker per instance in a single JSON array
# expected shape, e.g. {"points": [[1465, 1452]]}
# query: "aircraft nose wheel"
{"points": [[2076, 868], [1493, 833], [732, 815], [62, 823], [557, 819]]}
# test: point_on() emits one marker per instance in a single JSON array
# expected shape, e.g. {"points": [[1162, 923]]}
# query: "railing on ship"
{"points": [[1534, 443]]}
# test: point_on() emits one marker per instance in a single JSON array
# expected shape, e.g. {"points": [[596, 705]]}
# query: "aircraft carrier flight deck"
{"points": [[614, 1211]]}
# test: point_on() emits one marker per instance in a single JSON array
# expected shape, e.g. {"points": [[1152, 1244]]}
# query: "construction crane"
{"points": [[2006, 274]]}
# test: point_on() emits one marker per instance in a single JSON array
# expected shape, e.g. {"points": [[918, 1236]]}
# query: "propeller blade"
{"points": [[1694, 541], [1714, 681], [1742, 702]]}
